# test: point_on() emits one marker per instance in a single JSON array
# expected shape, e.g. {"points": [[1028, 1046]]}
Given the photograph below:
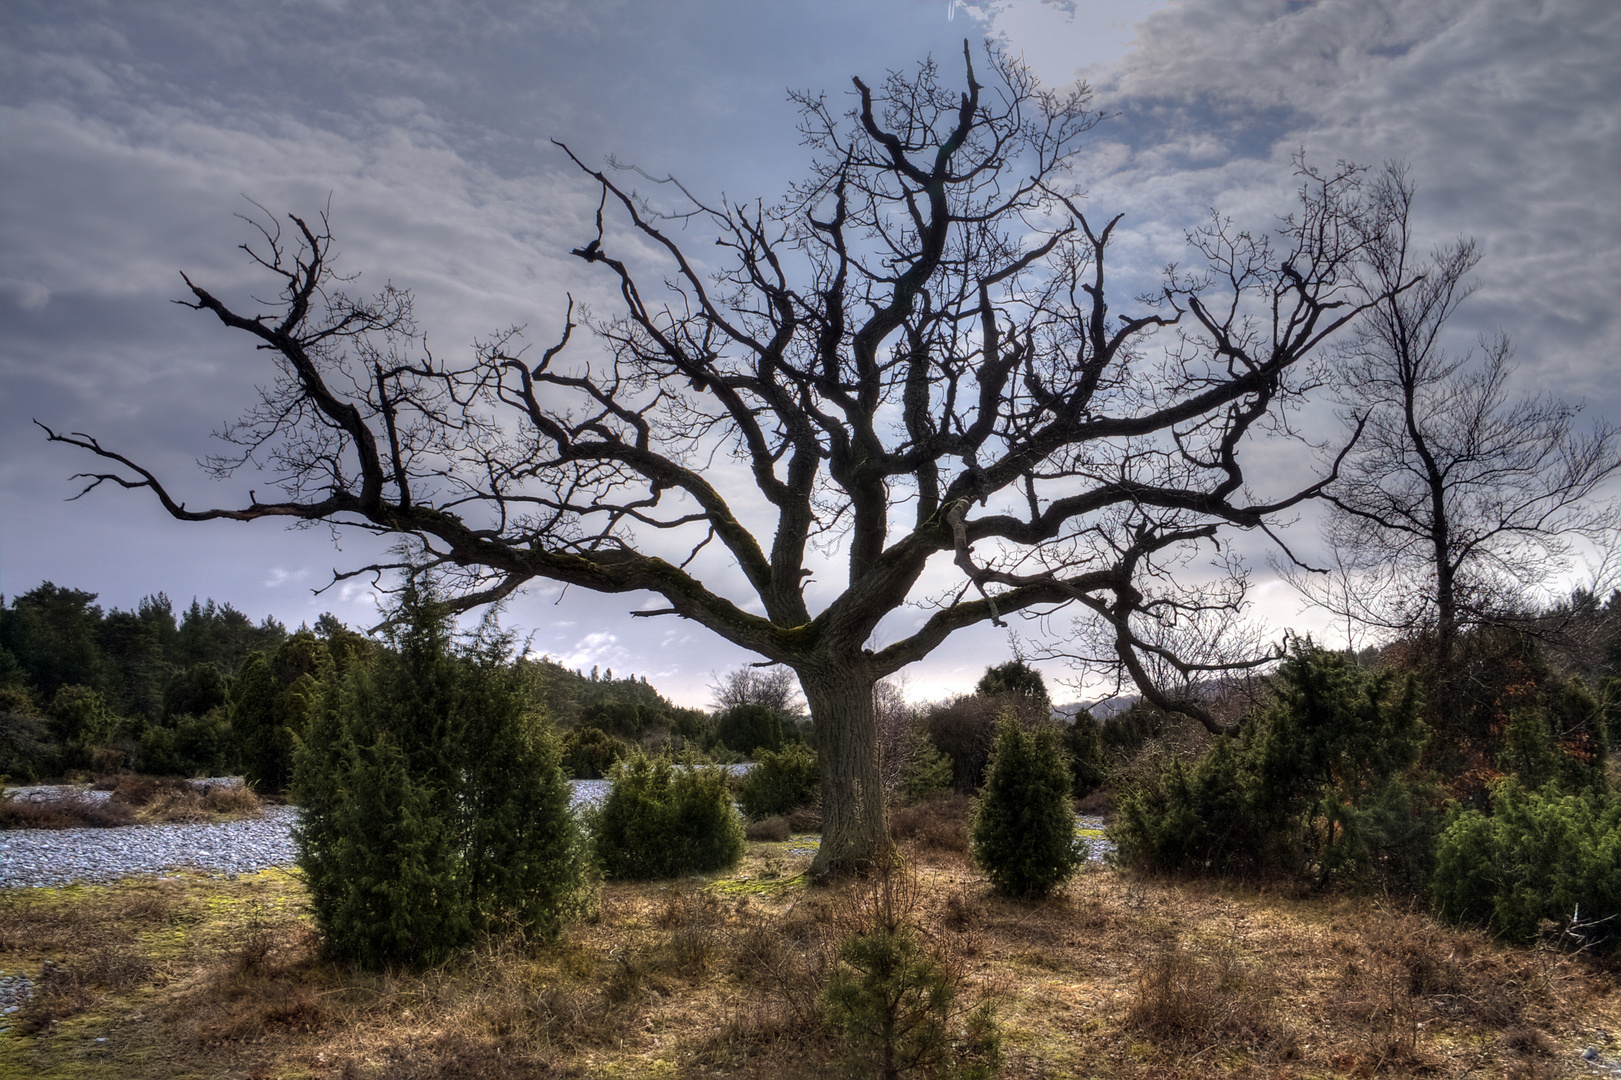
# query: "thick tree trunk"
{"points": [[841, 706]]}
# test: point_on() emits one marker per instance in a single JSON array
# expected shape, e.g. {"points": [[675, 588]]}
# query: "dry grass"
{"points": [[133, 800], [1116, 977]]}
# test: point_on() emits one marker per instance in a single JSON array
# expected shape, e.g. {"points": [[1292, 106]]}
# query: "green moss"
{"points": [[744, 886]]}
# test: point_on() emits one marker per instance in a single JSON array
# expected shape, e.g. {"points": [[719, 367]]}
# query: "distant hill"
{"points": [[1101, 709]]}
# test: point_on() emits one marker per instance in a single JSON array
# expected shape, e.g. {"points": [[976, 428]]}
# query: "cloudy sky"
{"points": [[132, 133]]}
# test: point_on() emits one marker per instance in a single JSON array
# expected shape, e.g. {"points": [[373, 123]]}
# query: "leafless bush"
{"points": [[770, 829], [941, 824], [64, 991], [1200, 996]]}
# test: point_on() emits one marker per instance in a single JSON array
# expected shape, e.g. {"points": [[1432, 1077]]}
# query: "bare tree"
{"points": [[893, 716], [774, 687], [913, 360], [1459, 499]]}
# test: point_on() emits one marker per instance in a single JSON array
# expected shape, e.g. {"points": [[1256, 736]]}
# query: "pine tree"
{"points": [[254, 720]]}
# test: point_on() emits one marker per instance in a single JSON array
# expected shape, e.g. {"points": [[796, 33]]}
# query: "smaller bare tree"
{"points": [[776, 688], [1459, 500], [895, 716]]}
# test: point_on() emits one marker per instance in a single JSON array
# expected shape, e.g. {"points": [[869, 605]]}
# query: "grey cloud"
{"points": [[133, 129], [1504, 111]]}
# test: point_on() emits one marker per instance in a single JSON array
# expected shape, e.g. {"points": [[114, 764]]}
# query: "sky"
{"points": [[132, 134]]}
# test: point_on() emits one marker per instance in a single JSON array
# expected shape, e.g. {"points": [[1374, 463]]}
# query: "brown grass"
{"points": [[1116, 977]]}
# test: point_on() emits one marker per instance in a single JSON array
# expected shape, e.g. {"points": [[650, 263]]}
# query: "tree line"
{"points": [[209, 691]]}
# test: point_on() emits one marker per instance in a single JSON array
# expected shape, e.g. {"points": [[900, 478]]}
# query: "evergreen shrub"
{"points": [[1318, 784], [750, 728], [780, 782], [1539, 855], [188, 746], [1088, 760], [1023, 830], [27, 750], [661, 819], [924, 771], [434, 804], [589, 752]]}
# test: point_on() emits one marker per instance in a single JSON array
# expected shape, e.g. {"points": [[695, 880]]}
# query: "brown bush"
{"points": [[174, 799], [62, 992], [805, 819], [457, 1057], [1099, 803], [233, 799], [1529, 1042], [1196, 997], [771, 828], [131, 800], [65, 812], [940, 824]]}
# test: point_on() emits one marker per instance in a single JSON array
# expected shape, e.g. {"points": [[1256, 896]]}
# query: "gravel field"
{"points": [[35, 857], [30, 857]]}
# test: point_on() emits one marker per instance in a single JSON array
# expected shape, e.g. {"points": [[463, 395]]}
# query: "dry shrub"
{"points": [[457, 1057], [1415, 976], [937, 825], [251, 1009], [66, 812], [62, 992], [961, 913], [139, 790], [269, 939], [233, 799], [788, 956], [172, 799], [1099, 803], [1199, 997], [805, 819], [696, 924], [774, 829], [1529, 1042], [132, 800]]}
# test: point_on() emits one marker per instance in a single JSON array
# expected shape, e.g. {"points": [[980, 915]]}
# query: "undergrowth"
{"points": [[1113, 976]]}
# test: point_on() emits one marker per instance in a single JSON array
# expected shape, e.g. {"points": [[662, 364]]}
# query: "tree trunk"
{"points": [[841, 706]]}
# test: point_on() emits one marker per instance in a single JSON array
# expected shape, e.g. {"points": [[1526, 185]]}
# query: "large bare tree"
{"points": [[1460, 498], [912, 359]]}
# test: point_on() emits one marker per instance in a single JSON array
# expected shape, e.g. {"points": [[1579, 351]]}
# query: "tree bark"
{"points": [[854, 832]]}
